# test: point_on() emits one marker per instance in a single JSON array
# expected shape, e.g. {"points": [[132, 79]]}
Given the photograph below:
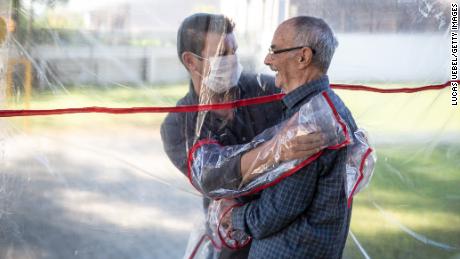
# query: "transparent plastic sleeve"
{"points": [[360, 164], [278, 152], [220, 224]]}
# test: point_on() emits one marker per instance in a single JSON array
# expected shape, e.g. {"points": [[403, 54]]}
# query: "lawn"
{"points": [[417, 114], [412, 207], [410, 210], [85, 96]]}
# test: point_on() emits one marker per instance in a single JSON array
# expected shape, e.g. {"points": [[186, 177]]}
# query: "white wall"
{"points": [[391, 58], [360, 58], [110, 65], [388, 58]]}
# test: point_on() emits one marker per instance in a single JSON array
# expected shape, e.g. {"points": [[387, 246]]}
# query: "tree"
{"points": [[23, 18]]}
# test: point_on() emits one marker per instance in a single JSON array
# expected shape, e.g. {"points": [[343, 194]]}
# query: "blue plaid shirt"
{"points": [[306, 214]]}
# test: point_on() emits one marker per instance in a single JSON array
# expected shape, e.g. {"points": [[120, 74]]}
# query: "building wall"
{"points": [[360, 58]]}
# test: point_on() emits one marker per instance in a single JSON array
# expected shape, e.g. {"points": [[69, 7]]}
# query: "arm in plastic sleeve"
{"points": [[215, 170]]}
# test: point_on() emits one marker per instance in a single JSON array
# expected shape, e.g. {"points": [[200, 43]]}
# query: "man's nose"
{"points": [[268, 59]]}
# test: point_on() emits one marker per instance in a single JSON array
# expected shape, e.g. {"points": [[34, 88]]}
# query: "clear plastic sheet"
{"points": [[94, 185], [360, 165], [209, 159], [219, 221]]}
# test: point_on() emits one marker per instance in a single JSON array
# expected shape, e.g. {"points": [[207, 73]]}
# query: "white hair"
{"points": [[316, 34]]}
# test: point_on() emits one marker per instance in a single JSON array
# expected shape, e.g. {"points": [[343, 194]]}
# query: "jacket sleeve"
{"points": [[177, 137], [215, 177], [216, 169], [174, 140]]}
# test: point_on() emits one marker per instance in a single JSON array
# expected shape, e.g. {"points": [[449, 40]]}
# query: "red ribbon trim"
{"points": [[392, 90], [208, 107]]}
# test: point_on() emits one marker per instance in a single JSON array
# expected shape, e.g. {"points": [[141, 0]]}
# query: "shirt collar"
{"points": [[303, 91]]}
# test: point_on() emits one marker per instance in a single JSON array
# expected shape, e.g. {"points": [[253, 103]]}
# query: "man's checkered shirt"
{"points": [[306, 214]]}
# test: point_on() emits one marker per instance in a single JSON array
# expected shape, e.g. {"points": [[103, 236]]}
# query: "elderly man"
{"points": [[207, 47], [306, 214]]}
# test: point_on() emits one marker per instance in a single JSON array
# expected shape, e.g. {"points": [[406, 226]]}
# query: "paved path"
{"points": [[79, 195]]}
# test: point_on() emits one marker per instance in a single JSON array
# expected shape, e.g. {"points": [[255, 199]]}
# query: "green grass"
{"points": [[381, 114], [85, 96], [117, 96], [416, 187], [422, 112]]}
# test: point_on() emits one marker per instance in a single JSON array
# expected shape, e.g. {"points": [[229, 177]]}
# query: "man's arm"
{"points": [[218, 171], [290, 143], [174, 141]]}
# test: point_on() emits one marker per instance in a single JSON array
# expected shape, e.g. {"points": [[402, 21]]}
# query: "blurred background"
{"points": [[101, 186]]}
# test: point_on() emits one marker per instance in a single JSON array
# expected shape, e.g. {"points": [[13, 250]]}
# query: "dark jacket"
{"points": [[178, 130]]}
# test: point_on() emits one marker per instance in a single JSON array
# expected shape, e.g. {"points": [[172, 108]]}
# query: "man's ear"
{"points": [[306, 57], [189, 61]]}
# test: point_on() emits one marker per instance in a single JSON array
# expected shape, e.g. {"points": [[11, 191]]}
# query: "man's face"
{"points": [[218, 45], [282, 63]]}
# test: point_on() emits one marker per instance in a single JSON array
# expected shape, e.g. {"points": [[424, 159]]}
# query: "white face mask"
{"points": [[224, 73]]}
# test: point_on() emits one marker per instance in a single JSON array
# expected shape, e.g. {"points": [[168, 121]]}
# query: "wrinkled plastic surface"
{"points": [[222, 233], [361, 163], [209, 160], [201, 243]]}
